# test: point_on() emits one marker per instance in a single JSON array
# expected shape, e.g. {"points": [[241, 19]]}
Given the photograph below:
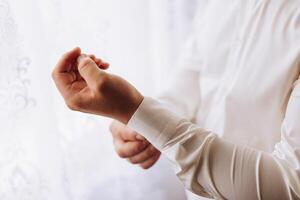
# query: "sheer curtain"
{"points": [[49, 152]]}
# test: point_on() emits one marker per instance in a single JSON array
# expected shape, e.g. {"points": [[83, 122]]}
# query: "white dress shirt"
{"points": [[230, 122]]}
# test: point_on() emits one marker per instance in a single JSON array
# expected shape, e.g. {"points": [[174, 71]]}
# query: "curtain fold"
{"points": [[49, 152]]}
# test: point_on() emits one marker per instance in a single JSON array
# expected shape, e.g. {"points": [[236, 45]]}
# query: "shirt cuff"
{"points": [[154, 122]]}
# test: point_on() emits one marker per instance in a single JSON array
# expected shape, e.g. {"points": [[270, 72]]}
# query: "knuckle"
{"points": [[134, 150], [133, 161], [121, 152], [115, 128], [151, 151], [115, 143], [84, 63], [126, 134], [73, 104], [137, 148], [112, 128], [131, 132], [53, 74], [156, 150], [145, 166], [64, 56]]}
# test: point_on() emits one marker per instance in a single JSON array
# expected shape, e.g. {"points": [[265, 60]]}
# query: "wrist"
{"points": [[130, 109]]}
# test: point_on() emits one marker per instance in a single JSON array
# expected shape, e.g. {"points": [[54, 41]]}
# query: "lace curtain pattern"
{"points": [[49, 152]]}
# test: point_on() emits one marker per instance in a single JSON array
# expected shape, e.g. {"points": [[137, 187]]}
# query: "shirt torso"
{"points": [[249, 53]]}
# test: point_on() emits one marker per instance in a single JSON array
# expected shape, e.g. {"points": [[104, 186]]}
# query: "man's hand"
{"points": [[86, 87], [132, 146]]}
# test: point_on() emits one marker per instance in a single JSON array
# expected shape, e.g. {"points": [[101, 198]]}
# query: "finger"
{"points": [[93, 57], [101, 64], [89, 70], [98, 61], [130, 135], [66, 60], [115, 128], [118, 129], [61, 75], [140, 137], [150, 162], [128, 149], [104, 65], [146, 154]]}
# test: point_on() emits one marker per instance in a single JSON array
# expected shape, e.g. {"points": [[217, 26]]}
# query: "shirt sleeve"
{"points": [[213, 167]]}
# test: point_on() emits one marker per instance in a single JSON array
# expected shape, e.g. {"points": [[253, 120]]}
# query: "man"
{"points": [[239, 84]]}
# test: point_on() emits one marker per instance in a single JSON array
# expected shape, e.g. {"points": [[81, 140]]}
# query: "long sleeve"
{"points": [[212, 167]]}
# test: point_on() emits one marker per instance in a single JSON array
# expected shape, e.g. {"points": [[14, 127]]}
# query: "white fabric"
{"points": [[48, 152], [238, 83]]}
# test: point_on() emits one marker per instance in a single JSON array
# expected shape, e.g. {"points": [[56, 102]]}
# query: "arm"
{"points": [[207, 165], [181, 95], [212, 167]]}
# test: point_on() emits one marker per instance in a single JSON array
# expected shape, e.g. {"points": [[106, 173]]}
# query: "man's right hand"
{"points": [[132, 146]]}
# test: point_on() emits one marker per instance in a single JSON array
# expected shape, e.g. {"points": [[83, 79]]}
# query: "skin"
{"points": [[132, 146], [87, 87]]}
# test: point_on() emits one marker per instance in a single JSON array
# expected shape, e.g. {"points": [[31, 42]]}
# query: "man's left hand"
{"points": [[86, 87]]}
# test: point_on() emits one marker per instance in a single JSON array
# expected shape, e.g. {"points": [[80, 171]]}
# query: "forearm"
{"points": [[207, 165]]}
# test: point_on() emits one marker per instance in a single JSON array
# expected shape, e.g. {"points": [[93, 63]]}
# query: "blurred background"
{"points": [[49, 152]]}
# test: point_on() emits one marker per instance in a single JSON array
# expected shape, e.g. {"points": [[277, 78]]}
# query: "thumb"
{"points": [[89, 70]]}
